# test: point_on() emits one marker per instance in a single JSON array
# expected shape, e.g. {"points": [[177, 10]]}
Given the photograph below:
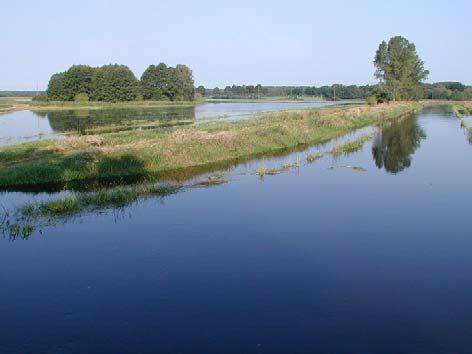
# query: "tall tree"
{"points": [[155, 82], [55, 89], [399, 68], [183, 83], [78, 79]]}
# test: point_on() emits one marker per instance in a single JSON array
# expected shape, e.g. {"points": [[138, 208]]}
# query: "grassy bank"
{"points": [[154, 152]]}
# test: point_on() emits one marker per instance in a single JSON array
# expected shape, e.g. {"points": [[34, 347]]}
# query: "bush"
{"points": [[81, 97], [40, 98], [371, 100]]}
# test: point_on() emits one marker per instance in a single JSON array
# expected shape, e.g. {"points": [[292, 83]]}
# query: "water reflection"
{"points": [[87, 121], [393, 147]]}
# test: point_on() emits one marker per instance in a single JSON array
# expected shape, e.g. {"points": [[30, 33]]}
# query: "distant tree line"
{"points": [[20, 93], [259, 91], [117, 83], [441, 90], [455, 91]]}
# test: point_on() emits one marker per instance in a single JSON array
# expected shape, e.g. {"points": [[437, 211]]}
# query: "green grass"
{"points": [[26, 219], [459, 110], [314, 157], [264, 171], [350, 147], [151, 153], [117, 197]]}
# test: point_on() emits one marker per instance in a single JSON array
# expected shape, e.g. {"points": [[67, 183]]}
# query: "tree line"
{"points": [[117, 83], [259, 91], [441, 90], [20, 93], [398, 68], [455, 91]]}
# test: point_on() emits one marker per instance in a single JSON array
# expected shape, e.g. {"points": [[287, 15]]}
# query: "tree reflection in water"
{"points": [[92, 121], [393, 147]]}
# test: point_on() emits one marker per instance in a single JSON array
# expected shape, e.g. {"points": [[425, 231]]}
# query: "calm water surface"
{"points": [[26, 126], [322, 259]]}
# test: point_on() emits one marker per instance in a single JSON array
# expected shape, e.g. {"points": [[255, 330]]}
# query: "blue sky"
{"points": [[237, 42]]}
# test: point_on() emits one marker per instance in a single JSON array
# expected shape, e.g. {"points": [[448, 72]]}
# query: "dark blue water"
{"points": [[316, 260]]}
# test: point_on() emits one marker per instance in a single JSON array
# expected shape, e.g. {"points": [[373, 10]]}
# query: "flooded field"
{"points": [[23, 126]]}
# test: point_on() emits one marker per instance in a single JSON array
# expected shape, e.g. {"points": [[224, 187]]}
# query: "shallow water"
{"points": [[26, 126], [321, 259]]}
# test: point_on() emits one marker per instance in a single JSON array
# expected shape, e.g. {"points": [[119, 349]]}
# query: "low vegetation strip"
{"points": [[8, 105], [60, 105], [151, 152], [351, 147], [105, 198], [31, 216]]}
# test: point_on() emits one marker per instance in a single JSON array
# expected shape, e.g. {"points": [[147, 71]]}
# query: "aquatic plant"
{"points": [[314, 157], [350, 147], [459, 110], [101, 199]]}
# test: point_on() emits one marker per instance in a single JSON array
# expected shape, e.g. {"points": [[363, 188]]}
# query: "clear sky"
{"points": [[231, 42]]}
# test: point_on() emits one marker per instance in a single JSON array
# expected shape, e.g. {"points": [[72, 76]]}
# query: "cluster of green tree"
{"points": [[117, 83], [20, 93], [447, 91]]}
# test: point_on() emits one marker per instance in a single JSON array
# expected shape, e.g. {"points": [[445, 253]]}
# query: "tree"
{"points": [[399, 68], [55, 89], [155, 82], [115, 83], [76, 80], [201, 90], [182, 82], [216, 92]]}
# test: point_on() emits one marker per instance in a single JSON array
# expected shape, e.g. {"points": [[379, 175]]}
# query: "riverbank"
{"points": [[13, 104], [144, 153]]}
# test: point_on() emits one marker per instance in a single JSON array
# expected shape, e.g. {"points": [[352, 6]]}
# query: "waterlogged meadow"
{"points": [[363, 237], [49, 121]]}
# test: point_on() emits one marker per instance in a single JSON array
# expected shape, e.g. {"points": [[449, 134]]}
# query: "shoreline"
{"points": [[50, 106]]}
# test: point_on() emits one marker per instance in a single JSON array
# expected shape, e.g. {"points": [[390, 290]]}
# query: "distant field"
{"points": [[10, 104]]}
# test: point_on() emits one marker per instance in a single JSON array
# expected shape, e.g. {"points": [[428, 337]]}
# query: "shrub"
{"points": [[81, 97], [40, 98], [371, 100]]}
